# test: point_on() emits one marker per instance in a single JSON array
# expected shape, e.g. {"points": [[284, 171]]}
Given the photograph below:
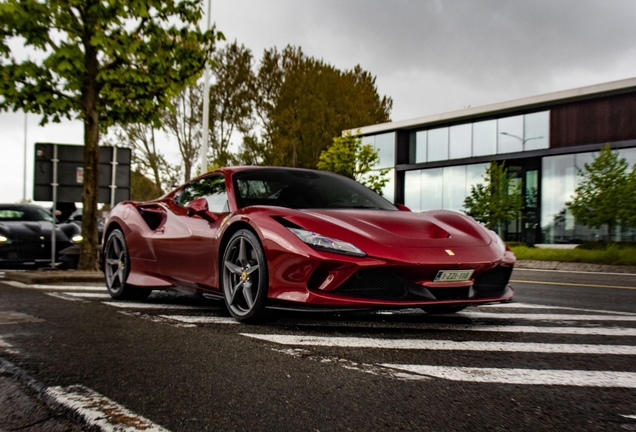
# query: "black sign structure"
{"points": [[68, 167]]}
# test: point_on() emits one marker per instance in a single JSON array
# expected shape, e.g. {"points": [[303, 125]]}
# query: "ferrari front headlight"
{"points": [[326, 243], [77, 238]]}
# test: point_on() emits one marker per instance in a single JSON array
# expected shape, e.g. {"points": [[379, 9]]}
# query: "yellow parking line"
{"points": [[573, 284]]}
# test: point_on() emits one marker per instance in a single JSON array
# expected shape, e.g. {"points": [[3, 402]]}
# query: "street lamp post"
{"points": [[523, 141], [206, 105]]}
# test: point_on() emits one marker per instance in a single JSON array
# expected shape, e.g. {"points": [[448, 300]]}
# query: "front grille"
{"points": [[493, 282], [461, 293], [374, 285]]}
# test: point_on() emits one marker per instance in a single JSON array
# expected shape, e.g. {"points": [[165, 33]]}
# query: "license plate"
{"points": [[453, 275]]}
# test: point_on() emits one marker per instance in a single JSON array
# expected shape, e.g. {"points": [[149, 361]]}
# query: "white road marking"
{"points": [[577, 378], [590, 331], [138, 305], [56, 287], [99, 411], [544, 317], [63, 296], [628, 416], [537, 306], [444, 345], [4, 344], [91, 295], [201, 319]]}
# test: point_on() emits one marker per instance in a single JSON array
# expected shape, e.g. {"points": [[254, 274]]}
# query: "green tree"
{"points": [[142, 188], [600, 196], [497, 201], [231, 100], [302, 103], [105, 62], [183, 122], [349, 157]]}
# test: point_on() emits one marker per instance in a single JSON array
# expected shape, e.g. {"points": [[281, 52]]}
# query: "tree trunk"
{"points": [[89, 251]]}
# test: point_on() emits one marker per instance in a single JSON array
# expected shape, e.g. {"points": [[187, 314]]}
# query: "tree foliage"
{"points": [[349, 157], [601, 196], [183, 122], [302, 103], [142, 188], [496, 201], [231, 100], [107, 63]]}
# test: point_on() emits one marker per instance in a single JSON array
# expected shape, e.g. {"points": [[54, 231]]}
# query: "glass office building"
{"points": [[544, 142]]}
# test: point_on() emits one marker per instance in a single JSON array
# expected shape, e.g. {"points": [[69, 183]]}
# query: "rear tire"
{"points": [[443, 309], [117, 268]]}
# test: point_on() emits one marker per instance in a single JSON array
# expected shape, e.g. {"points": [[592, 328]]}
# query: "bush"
{"points": [[604, 245]]}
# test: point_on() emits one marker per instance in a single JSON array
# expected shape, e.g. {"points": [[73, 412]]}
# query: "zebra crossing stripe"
{"points": [[444, 345], [577, 378], [91, 295], [545, 317], [538, 306], [56, 287], [139, 305], [588, 331], [629, 416], [201, 319]]}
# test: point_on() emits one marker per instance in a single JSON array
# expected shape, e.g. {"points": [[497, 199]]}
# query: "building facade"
{"points": [[543, 140]]}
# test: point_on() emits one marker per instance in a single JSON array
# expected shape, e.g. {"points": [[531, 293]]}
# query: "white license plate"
{"points": [[453, 275]]}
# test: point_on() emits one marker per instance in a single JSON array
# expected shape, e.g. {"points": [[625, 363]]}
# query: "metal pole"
{"points": [[54, 185], [24, 185], [113, 178], [206, 104]]}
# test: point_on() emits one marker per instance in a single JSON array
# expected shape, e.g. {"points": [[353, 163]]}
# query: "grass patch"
{"points": [[612, 255]]}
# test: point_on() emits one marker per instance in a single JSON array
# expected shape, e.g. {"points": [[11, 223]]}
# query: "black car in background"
{"points": [[25, 236]]}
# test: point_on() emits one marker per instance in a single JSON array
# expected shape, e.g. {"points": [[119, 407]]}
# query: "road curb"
{"points": [[48, 277], [38, 391]]}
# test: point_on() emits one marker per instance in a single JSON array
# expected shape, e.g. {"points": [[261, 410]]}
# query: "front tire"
{"points": [[117, 268], [244, 278]]}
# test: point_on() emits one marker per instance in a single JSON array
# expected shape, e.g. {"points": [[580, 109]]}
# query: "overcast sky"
{"points": [[429, 56]]}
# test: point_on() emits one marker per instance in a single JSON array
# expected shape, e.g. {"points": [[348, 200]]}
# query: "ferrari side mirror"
{"points": [[199, 207], [402, 207]]}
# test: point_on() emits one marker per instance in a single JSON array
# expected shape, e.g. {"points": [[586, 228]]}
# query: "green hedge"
{"points": [[615, 255]]}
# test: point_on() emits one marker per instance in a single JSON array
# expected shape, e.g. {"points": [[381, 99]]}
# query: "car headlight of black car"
{"points": [[3, 239], [319, 241], [77, 238]]}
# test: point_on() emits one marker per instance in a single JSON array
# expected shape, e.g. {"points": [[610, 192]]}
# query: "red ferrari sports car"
{"points": [[273, 237]]}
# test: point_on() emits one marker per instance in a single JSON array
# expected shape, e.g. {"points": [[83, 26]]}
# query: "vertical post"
{"points": [[206, 105], [24, 185], [55, 160], [113, 178]]}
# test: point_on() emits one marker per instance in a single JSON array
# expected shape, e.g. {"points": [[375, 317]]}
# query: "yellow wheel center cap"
{"points": [[243, 276], [119, 264]]}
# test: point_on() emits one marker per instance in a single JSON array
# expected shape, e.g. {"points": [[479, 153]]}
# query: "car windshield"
{"points": [[24, 214], [304, 189]]}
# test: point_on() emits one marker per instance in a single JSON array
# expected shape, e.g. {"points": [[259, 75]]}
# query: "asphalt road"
{"points": [[562, 357]]}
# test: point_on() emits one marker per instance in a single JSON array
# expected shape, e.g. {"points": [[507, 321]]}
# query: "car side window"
{"points": [[212, 188]]}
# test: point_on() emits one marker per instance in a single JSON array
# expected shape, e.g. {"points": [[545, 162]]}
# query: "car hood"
{"points": [[438, 228], [27, 230]]}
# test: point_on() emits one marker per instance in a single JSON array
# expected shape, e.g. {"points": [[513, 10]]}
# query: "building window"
{"points": [[421, 146], [441, 188], [536, 131], [460, 138], [485, 138], [437, 144], [510, 134], [385, 146]]}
